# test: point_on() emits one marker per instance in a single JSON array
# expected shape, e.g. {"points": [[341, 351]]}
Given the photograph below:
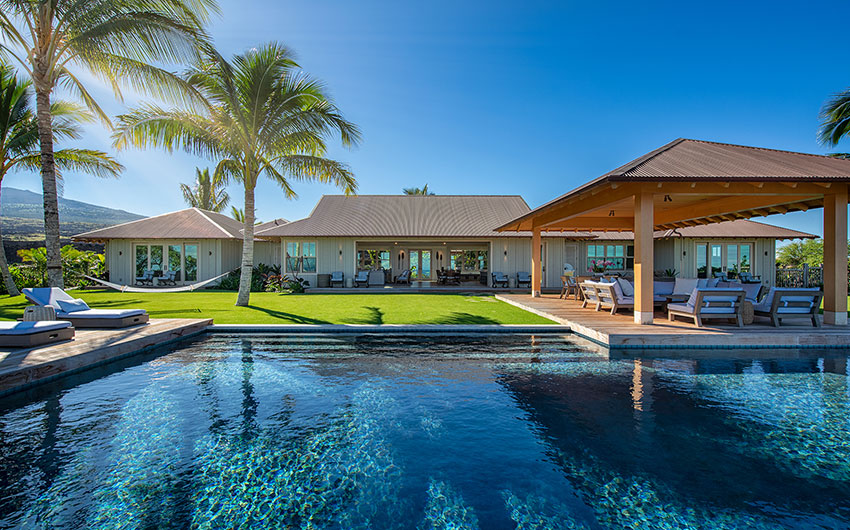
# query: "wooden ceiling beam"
{"points": [[721, 206]]}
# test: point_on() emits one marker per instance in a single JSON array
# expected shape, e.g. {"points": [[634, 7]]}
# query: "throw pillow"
{"points": [[72, 306]]}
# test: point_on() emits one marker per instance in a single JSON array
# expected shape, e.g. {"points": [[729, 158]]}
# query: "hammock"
{"points": [[180, 289]]}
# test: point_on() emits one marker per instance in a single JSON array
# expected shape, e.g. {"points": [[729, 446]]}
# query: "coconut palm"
{"points": [[19, 148], [417, 191], [119, 41], [207, 193], [835, 121], [264, 117]]}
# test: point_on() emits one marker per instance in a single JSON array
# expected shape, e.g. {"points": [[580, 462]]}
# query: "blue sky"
{"points": [[530, 98]]}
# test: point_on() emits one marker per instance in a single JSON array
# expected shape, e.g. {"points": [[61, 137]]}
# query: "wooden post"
{"points": [[536, 263], [644, 256], [835, 257]]}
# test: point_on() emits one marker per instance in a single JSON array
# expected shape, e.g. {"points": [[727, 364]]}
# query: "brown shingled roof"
{"points": [[404, 216], [740, 229], [191, 223]]}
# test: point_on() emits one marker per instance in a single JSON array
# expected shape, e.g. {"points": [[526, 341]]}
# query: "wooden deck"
{"points": [[22, 368], [620, 332]]}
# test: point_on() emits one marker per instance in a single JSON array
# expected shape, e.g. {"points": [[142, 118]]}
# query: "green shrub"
{"points": [[76, 264], [262, 279]]}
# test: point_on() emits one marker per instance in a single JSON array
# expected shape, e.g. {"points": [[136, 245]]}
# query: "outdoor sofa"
{"points": [[29, 334], [710, 304], [779, 304], [80, 314]]}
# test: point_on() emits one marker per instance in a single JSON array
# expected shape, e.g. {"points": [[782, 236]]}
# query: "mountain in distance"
{"points": [[23, 216]]}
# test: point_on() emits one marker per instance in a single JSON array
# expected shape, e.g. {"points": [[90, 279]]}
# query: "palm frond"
{"points": [[835, 119]]}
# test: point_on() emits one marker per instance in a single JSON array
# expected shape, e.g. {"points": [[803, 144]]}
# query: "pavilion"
{"points": [[693, 182]]}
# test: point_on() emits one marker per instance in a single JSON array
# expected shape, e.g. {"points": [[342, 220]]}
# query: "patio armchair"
{"points": [[781, 304], [747, 277], [710, 303], [721, 276], [569, 286], [362, 278], [523, 278], [146, 278], [167, 278], [404, 277], [500, 279], [611, 295], [337, 277]]}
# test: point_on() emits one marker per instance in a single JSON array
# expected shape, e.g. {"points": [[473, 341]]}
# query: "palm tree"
{"points": [[19, 142], [835, 121], [263, 117], [417, 191], [117, 40], [207, 193]]}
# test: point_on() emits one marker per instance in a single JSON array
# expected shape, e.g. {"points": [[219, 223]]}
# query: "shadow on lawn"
{"points": [[375, 318], [295, 319], [457, 318]]}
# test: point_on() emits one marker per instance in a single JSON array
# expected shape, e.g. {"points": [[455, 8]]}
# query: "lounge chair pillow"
{"points": [[626, 287], [684, 285], [72, 306], [617, 289], [708, 283]]}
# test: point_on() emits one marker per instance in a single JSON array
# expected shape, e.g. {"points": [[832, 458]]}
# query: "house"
{"points": [[196, 243], [394, 233], [427, 233]]}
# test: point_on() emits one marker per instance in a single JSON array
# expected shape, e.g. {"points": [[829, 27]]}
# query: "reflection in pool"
{"points": [[430, 432]]}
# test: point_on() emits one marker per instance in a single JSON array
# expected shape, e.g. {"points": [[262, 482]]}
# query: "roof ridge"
{"points": [[208, 218], [131, 222], [756, 148], [642, 160]]}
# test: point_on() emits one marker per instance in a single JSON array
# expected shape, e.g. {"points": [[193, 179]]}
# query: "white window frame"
{"points": [[299, 255]]}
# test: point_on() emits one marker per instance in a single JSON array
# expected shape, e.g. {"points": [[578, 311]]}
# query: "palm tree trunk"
{"points": [[48, 184], [244, 295], [11, 288]]}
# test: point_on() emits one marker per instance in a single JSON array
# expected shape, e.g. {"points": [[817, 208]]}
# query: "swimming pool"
{"points": [[237, 431]]}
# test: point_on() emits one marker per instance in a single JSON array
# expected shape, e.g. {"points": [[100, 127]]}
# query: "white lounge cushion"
{"points": [[72, 306], [684, 285], [103, 313], [684, 308], [29, 328], [663, 288], [626, 286], [46, 295]]}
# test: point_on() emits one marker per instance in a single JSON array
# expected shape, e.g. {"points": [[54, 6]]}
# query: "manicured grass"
{"points": [[274, 308]]}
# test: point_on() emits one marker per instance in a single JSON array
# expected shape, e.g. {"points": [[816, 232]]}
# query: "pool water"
{"points": [[233, 431]]}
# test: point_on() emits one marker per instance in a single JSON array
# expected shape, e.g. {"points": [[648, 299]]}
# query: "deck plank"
{"points": [[620, 331], [21, 368]]}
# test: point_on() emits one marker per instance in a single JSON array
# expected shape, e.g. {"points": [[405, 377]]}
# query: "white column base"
{"points": [[535, 294], [644, 317], [836, 318]]}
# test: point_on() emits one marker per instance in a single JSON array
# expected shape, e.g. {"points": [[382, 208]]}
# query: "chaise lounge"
{"points": [[781, 304], [29, 334], [80, 314]]}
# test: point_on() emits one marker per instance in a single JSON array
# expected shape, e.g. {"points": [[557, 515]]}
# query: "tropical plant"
{"points": [[798, 253], [19, 142], [76, 264], [207, 193], [599, 265], [119, 42], [418, 191], [835, 120], [263, 116]]}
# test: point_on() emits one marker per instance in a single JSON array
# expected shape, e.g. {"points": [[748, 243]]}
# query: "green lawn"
{"points": [[274, 308]]}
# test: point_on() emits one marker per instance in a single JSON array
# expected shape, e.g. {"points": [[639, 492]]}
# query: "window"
{"points": [[468, 260], [373, 259], [183, 259], [175, 258], [731, 258], [300, 257], [191, 262], [618, 257]]}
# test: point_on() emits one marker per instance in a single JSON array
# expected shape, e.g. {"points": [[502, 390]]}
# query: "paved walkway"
{"points": [[22, 368], [620, 331]]}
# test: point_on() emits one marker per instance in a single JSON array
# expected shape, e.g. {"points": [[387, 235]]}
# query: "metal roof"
{"points": [[740, 229], [191, 223], [690, 160], [439, 216]]}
